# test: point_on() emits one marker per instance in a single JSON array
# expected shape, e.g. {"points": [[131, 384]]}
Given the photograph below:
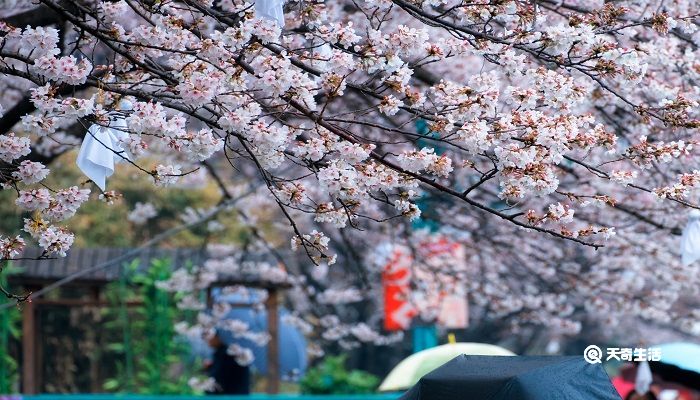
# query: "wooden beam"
{"points": [[34, 281], [80, 303], [273, 359], [102, 303], [251, 284], [28, 349]]}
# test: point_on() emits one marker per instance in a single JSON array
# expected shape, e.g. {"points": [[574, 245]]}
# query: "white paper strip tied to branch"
{"points": [[690, 242], [271, 9], [642, 382], [101, 148]]}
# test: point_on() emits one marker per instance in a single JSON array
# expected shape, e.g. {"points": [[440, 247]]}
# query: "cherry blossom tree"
{"points": [[553, 139]]}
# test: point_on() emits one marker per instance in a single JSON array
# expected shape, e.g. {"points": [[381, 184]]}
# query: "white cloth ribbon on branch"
{"points": [[271, 9], [102, 149], [690, 242], [642, 382]]}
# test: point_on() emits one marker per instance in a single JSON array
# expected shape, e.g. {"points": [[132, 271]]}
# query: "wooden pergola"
{"points": [[37, 274]]}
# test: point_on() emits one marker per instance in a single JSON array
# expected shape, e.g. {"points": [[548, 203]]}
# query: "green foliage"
{"points": [[331, 377], [9, 330], [119, 327], [144, 336]]}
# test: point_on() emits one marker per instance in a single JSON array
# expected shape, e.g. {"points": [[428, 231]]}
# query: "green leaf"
{"points": [[111, 384], [116, 347]]}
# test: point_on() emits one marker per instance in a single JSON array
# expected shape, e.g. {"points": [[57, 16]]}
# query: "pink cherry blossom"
{"points": [[141, 213], [34, 199], [13, 147], [30, 172]]}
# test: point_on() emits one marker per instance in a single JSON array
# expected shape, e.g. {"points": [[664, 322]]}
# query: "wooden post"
{"points": [[28, 349], [38, 351], [95, 356], [210, 299], [273, 367]]}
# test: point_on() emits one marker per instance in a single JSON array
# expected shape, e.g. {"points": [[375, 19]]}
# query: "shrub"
{"points": [[331, 377]]}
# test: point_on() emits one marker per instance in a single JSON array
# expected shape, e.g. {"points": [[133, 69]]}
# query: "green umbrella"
{"points": [[411, 369]]}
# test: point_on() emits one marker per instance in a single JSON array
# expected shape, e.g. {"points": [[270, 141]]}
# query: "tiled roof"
{"points": [[81, 259]]}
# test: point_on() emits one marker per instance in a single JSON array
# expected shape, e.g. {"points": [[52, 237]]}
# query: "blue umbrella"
{"points": [[291, 342]]}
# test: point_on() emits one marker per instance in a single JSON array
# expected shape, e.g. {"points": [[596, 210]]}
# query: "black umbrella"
{"points": [[674, 374], [680, 363], [515, 378]]}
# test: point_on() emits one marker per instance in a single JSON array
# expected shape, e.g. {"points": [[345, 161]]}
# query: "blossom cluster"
{"points": [[577, 122]]}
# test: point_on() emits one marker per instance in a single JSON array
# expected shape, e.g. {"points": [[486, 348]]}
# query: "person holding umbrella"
{"points": [[230, 376]]}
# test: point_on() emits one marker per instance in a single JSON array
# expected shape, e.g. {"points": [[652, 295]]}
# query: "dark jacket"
{"points": [[230, 377]]}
